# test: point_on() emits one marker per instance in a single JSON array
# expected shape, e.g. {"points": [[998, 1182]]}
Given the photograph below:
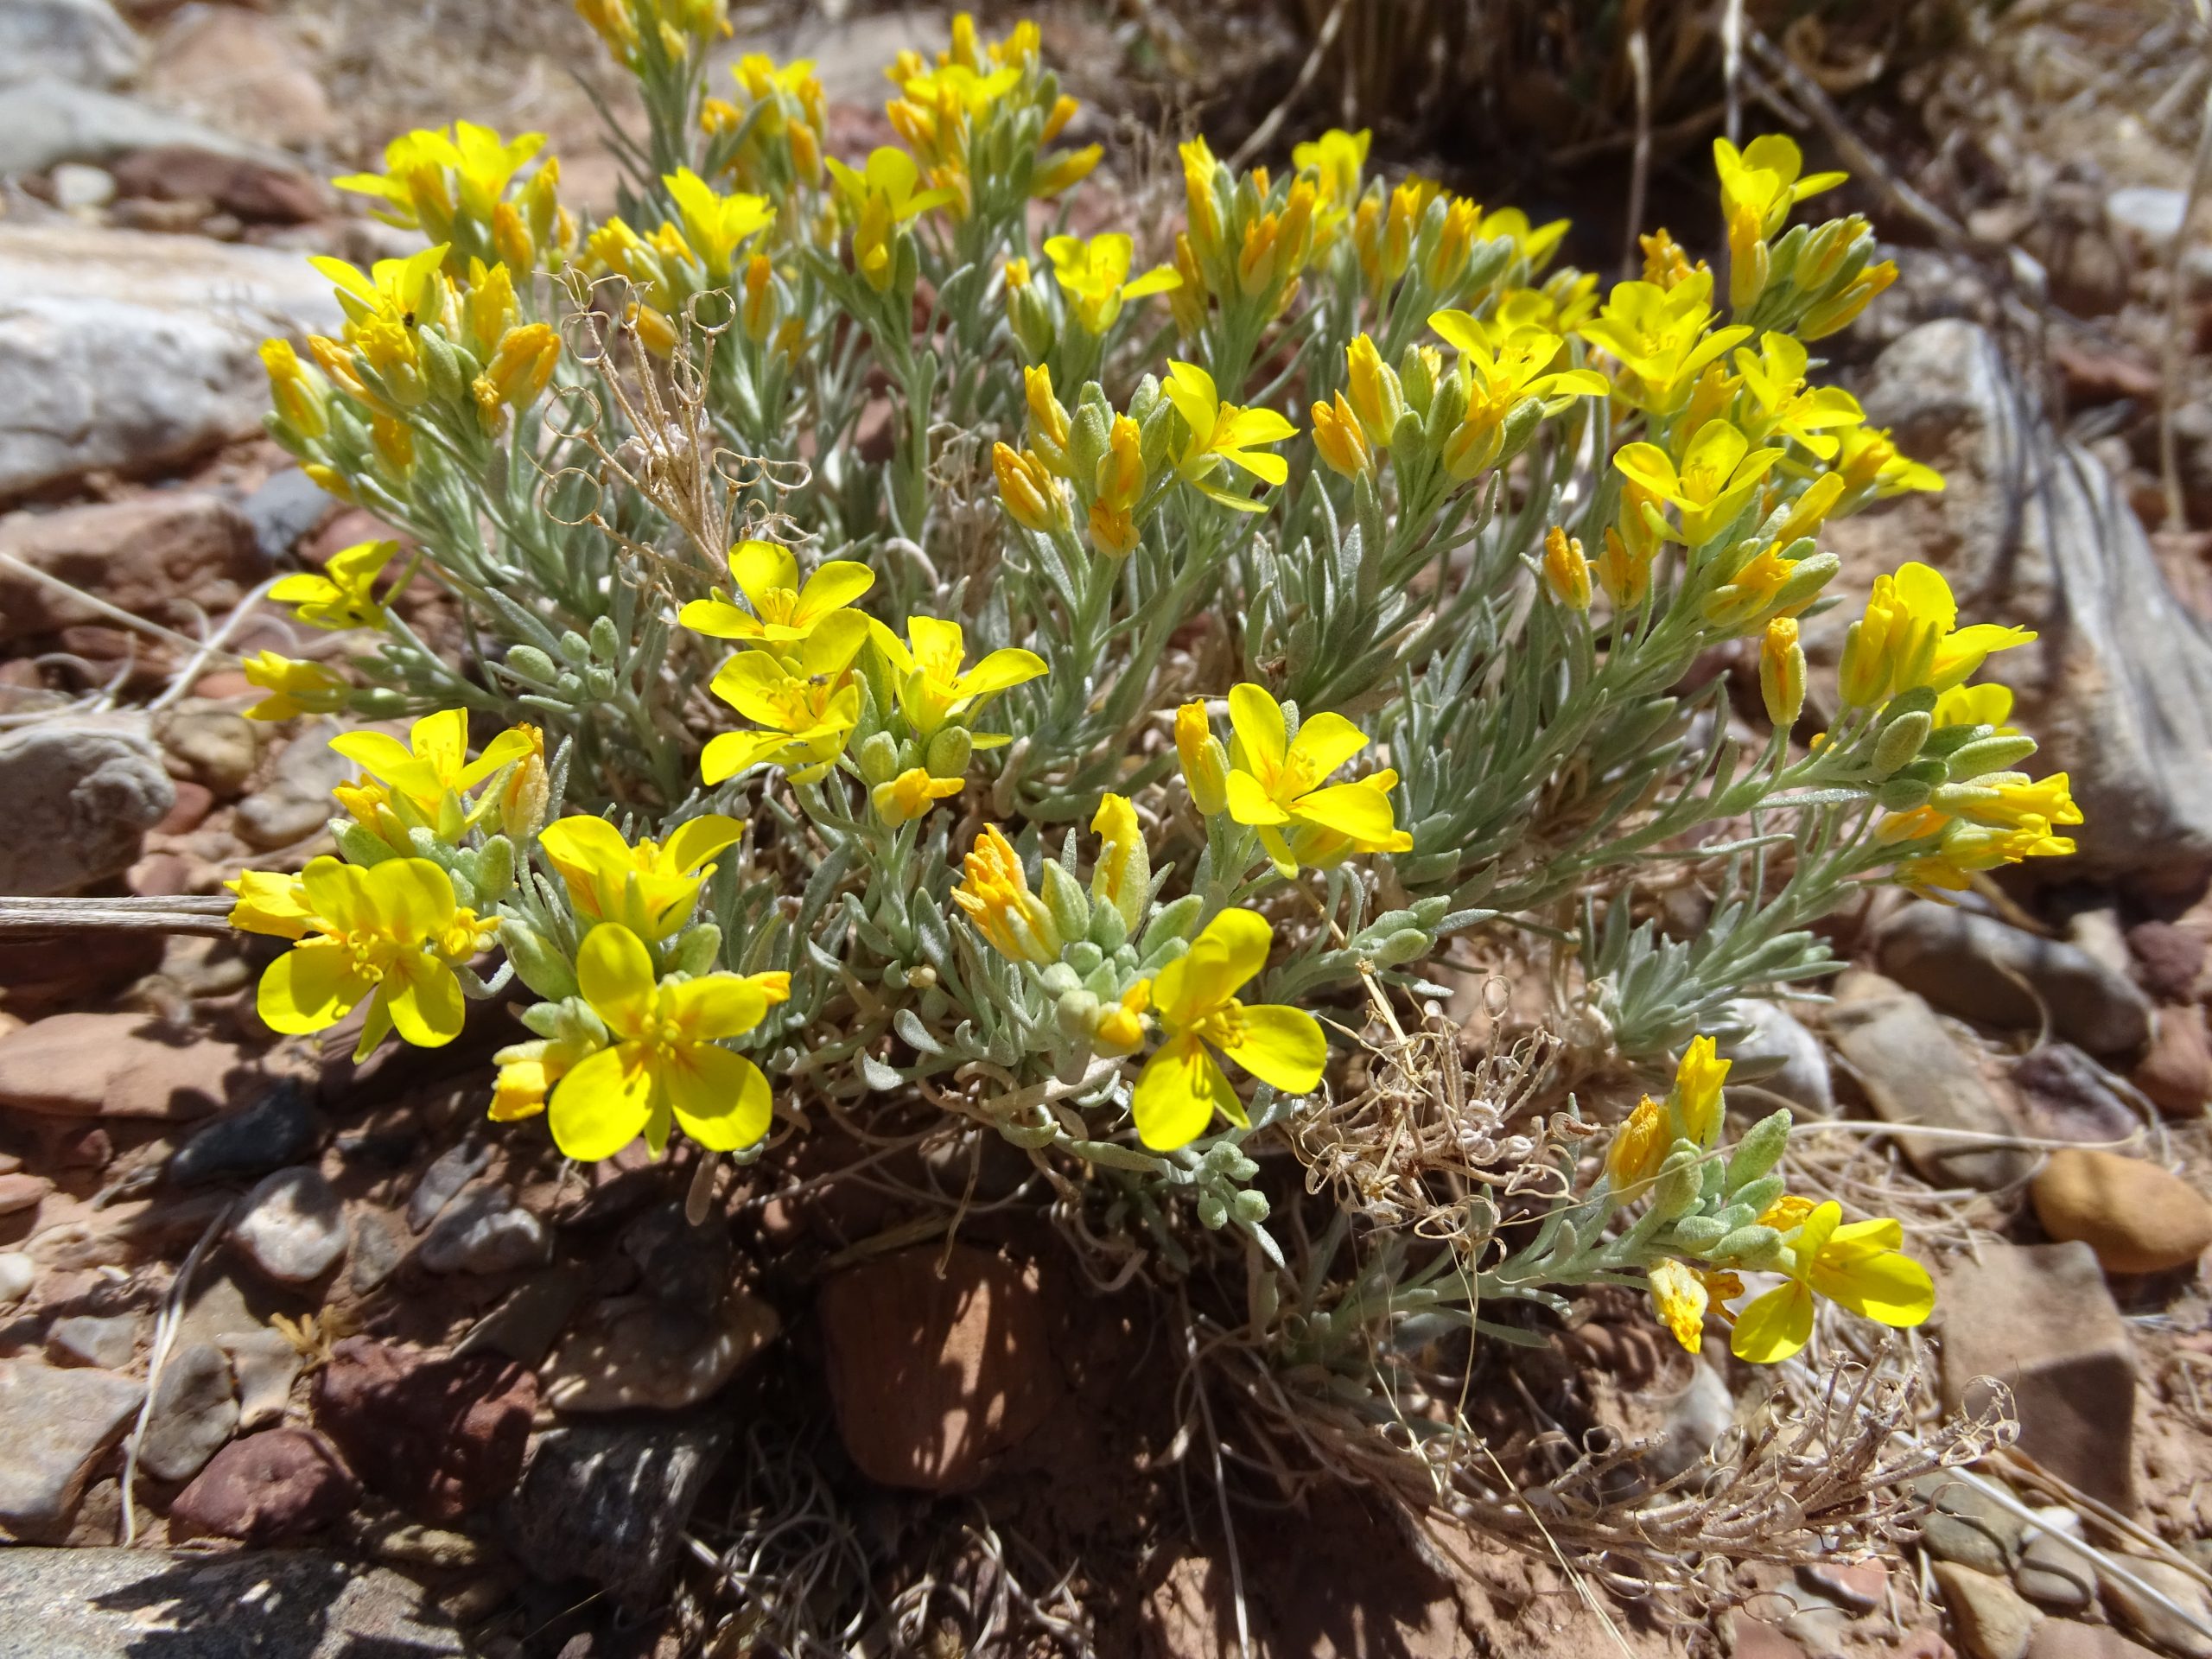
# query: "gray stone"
{"points": [[293, 1227], [46, 122], [195, 1413], [1980, 968], [2063, 1638], [214, 746], [285, 511], [526, 1326], [295, 802], [276, 1130], [1913, 1073], [485, 1231], [609, 1503], [109, 1343], [1693, 1422], [379, 1249], [2156, 1625], [266, 1365], [79, 41], [2054, 1575], [1780, 1055], [450, 1170], [1965, 1525], [1991, 1620], [53, 1424], [2031, 530], [134, 1604], [81, 790], [130, 350], [2039, 1319], [18, 1273]]}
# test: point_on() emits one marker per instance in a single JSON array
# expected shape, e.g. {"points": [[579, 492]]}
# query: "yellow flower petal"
{"points": [[1774, 1327], [720, 1099], [1178, 1093], [598, 1107], [1279, 1046]]}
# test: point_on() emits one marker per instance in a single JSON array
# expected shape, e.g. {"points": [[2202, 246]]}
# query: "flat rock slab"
{"points": [[132, 1604], [130, 350], [1913, 1073], [53, 1424], [119, 1065]]}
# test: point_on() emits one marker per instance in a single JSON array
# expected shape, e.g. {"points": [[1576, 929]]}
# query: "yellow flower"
{"points": [[911, 794], [434, 178], [1335, 161], [648, 889], [1639, 1148], [784, 612], [1205, 763], [1680, 1300], [665, 1066], [1767, 584], [880, 199], [294, 688], [1761, 181], [405, 292], [1500, 375], [2010, 800], [301, 396], [1122, 876], [521, 367], [995, 892], [1313, 846], [716, 226], [1658, 334], [1857, 1265], [1976, 705], [1220, 433], [270, 903], [362, 934], [1840, 309], [1373, 389], [1781, 673], [342, 595], [808, 714], [1624, 572], [1566, 573], [932, 685], [1032, 496], [1094, 275], [1964, 850], [1665, 261], [1694, 1107], [1120, 485], [1909, 637], [1276, 781], [1182, 1085], [1774, 377], [528, 1072], [1867, 458], [1338, 437], [432, 767], [1719, 474]]}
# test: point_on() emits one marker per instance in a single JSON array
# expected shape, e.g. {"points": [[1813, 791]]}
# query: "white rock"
{"points": [[79, 41], [18, 1273], [294, 1228], [2147, 211], [77, 185], [125, 350]]}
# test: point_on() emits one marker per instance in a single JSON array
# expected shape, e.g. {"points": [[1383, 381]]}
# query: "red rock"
{"points": [[2176, 1074], [160, 875], [1754, 1638], [89, 1148], [2065, 1638], [22, 1191], [269, 1487], [194, 803], [37, 973], [1858, 1586], [2168, 958], [118, 1066], [157, 556], [224, 684], [439, 1435], [2103, 377], [933, 1378], [249, 190], [244, 71], [2040, 1319]]}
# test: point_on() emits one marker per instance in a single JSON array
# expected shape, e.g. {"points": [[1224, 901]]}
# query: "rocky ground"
{"points": [[301, 1356]]}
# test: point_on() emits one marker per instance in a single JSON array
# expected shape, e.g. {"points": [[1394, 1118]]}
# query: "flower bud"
{"points": [[1566, 573], [1030, 492], [537, 964], [1757, 1152], [1988, 754], [948, 752], [1205, 763], [1754, 1247], [1781, 673], [878, 756], [697, 950], [1900, 742]]}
